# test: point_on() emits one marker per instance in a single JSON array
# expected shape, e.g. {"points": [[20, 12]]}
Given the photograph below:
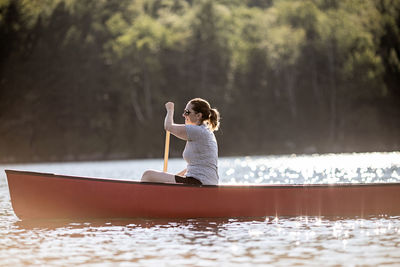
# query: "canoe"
{"points": [[49, 196]]}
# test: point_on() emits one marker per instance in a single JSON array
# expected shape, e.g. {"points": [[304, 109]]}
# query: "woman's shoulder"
{"points": [[201, 127], [195, 131]]}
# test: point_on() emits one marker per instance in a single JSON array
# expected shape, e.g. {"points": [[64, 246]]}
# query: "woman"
{"points": [[201, 151]]}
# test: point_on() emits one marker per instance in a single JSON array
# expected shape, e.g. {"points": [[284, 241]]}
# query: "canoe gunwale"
{"points": [[51, 175]]}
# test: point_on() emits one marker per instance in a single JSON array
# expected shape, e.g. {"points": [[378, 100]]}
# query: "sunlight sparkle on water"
{"points": [[312, 169], [270, 241]]}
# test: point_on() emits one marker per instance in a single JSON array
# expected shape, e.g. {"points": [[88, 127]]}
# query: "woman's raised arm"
{"points": [[179, 130]]}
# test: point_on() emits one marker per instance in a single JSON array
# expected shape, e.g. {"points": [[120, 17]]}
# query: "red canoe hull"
{"points": [[40, 196]]}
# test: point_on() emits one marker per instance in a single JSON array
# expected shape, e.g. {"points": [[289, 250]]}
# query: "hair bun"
{"points": [[209, 115]]}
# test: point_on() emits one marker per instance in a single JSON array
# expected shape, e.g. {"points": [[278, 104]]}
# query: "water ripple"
{"points": [[278, 241]]}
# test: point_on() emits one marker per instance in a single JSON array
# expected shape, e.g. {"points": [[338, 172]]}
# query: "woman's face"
{"points": [[190, 116]]}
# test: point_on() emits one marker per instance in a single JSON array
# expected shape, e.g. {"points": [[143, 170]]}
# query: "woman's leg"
{"points": [[158, 177]]}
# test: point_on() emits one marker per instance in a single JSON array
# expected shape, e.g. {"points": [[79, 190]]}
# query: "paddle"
{"points": [[166, 151]]}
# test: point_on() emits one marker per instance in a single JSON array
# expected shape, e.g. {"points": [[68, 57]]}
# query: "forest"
{"points": [[88, 79]]}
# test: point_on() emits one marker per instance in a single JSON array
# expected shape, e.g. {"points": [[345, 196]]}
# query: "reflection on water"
{"points": [[278, 241], [286, 241]]}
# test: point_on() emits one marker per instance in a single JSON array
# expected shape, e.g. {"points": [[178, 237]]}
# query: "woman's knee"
{"points": [[157, 177], [148, 176]]}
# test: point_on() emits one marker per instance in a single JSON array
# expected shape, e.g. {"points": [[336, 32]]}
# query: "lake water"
{"points": [[277, 241]]}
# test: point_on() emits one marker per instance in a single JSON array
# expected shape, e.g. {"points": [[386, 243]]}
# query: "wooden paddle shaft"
{"points": [[166, 152]]}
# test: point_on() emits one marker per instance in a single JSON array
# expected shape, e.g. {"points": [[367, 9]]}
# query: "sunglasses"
{"points": [[186, 112]]}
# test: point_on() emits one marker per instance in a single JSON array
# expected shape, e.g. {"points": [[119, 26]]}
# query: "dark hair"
{"points": [[209, 115]]}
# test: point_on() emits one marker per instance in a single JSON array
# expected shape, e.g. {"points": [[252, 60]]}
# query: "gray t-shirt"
{"points": [[201, 154]]}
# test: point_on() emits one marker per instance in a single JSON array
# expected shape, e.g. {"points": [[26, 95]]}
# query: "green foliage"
{"points": [[105, 69]]}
